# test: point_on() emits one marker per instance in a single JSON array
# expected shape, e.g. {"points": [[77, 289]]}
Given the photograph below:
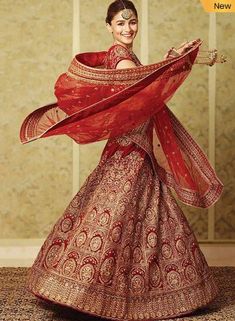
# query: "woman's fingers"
{"points": [[187, 44], [184, 47]]}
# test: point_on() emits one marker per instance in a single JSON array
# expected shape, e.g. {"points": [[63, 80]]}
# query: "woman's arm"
{"points": [[204, 57], [184, 47], [123, 64]]}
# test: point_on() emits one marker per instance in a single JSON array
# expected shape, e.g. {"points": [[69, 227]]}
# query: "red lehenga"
{"points": [[123, 249]]}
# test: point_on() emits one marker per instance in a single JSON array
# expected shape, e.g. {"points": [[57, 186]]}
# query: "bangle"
{"points": [[174, 52]]}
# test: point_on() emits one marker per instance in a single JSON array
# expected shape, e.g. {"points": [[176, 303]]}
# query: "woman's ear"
{"points": [[108, 26]]}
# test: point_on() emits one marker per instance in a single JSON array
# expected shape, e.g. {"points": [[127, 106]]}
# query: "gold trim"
{"points": [[78, 70], [153, 306]]}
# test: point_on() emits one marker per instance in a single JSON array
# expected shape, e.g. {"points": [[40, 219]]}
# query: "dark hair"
{"points": [[119, 5]]}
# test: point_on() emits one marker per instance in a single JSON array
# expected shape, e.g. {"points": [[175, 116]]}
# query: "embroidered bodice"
{"points": [[117, 53], [141, 135]]}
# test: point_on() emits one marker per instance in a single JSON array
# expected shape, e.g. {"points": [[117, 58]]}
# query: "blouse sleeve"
{"points": [[116, 54]]}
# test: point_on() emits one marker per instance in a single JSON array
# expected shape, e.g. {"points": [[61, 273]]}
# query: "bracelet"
{"points": [[173, 52]]}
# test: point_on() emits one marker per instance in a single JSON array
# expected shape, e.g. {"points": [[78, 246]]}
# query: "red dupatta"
{"points": [[96, 104]]}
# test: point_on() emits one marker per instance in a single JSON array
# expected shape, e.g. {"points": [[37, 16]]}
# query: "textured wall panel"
{"points": [[225, 126], [35, 178]]}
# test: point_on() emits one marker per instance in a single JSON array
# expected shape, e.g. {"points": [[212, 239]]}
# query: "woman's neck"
{"points": [[129, 47]]}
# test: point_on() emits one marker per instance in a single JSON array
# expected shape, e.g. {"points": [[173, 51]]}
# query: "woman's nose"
{"points": [[127, 27]]}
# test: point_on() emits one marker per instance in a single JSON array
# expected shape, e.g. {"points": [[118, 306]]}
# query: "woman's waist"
{"points": [[139, 139]]}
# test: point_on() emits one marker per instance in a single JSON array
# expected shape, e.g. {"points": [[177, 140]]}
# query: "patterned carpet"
{"points": [[17, 304]]}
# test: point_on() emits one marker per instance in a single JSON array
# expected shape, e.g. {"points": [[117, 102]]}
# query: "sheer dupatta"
{"points": [[96, 104]]}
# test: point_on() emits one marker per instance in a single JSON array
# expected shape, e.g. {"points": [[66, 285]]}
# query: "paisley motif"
{"points": [[154, 274], [53, 254], [152, 239], [166, 250], [81, 238], [66, 224], [137, 255], [190, 273], [173, 279], [137, 283], [104, 218], [116, 234], [86, 273], [107, 270], [96, 243], [180, 246], [87, 270], [69, 267]]}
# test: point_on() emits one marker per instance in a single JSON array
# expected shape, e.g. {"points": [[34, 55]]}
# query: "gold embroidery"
{"points": [[123, 248], [124, 77]]}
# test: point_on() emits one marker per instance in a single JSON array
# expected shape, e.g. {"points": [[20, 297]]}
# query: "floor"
{"points": [[17, 304]]}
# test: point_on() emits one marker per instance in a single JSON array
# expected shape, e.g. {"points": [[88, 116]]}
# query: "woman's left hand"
{"points": [[185, 46]]}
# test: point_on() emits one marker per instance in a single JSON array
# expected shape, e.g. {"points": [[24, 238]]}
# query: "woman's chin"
{"points": [[127, 41]]}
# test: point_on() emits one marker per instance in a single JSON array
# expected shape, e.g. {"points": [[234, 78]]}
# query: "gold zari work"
{"points": [[124, 233]]}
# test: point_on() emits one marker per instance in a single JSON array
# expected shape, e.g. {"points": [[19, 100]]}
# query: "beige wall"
{"points": [[225, 127], [36, 179]]}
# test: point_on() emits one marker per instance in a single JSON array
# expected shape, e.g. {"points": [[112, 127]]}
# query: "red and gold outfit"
{"points": [[123, 249]]}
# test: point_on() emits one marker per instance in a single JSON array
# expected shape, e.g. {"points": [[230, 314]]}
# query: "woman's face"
{"points": [[124, 31]]}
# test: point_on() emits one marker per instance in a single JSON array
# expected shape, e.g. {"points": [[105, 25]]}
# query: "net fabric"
{"points": [[181, 164], [103, 103], [96, 104]]}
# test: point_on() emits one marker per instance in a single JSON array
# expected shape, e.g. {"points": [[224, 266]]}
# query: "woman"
{"points": [[123, 249]]}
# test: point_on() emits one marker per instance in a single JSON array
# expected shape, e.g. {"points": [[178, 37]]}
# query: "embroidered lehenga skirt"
{"points": [[123, 249]]}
